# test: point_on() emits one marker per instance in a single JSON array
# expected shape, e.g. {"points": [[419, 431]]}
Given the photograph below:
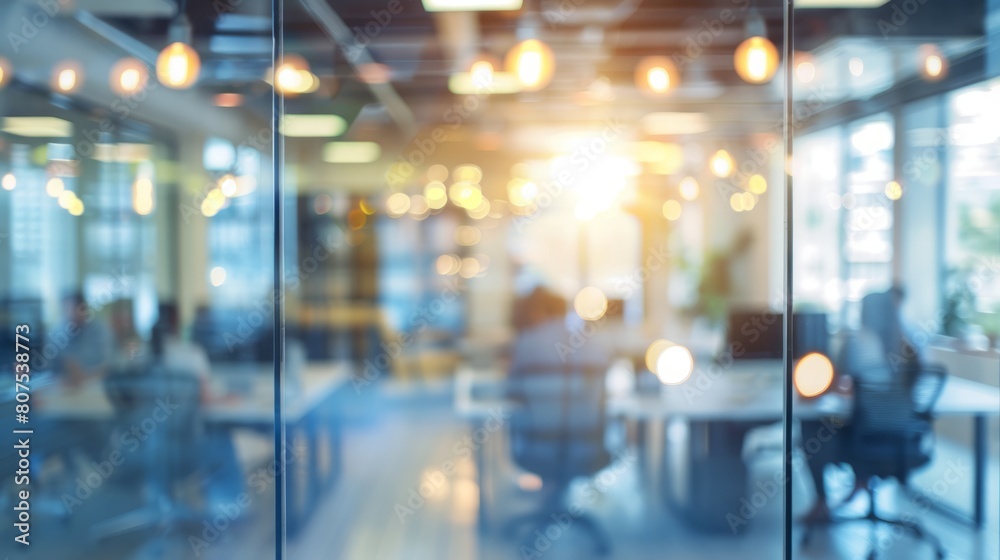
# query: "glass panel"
{"points": [[136, 288], [501, 218], [896, 237]]}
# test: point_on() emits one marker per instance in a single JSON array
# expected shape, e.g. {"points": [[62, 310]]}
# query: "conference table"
{"points": [[243, 399], [750, 394]]}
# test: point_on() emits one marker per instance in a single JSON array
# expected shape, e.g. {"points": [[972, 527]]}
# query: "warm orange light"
{"points": [[893, 190], [467, 235], [689, 188], [722, 164], [227, 185], [470, 268], [67, 77], [736, 202], [436, 195], [178, 66], [674, 365], [5, 71], [813, 375], [590, 303], [532, 63], [128, 76], [933, 64], [356, 219], [482, 71], [756, 60], [397, 204], [214, 201], [465, 194], [448, 265], [54, 187], [672, 210], [656, 75], [142, 196], [66, 199], [293, 76], [228, 100]]}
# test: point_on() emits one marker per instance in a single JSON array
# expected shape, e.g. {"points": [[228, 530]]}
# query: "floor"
{"points": [[409, 492]]}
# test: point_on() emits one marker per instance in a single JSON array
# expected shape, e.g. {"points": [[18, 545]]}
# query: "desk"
{"points": [[731, 398], [474, 409], [306, 413], [751, 393]]}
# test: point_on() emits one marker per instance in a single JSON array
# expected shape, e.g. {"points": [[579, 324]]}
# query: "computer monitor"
{"points": [[809, 333], [760, 334], [755, 335]]}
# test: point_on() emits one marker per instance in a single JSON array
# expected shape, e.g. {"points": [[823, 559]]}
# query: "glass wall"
{"points": [[557, 274], [136, 286], [894, 369], [500, 279]]}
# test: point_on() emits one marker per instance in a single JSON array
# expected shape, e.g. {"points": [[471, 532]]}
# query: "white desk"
{"points": [[734, 399], [753, 393], [253, 409]]}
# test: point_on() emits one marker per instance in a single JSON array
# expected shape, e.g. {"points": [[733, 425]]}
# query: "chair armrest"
{"points": [[928, 387]]}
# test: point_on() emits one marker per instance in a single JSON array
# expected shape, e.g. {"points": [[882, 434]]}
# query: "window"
{"points": [[972, 217]]}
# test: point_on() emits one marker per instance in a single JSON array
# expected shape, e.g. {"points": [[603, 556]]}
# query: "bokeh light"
{"points": [[813, 374]]}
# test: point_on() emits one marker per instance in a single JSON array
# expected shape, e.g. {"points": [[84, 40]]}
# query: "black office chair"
{"points": [[557, 433], [892, 425], [163, 406], [893, 436]]}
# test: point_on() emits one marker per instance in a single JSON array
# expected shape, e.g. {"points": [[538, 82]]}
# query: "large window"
{"points": [[972, 230]]}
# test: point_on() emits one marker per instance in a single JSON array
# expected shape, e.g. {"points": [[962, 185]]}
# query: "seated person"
{"points": [[129, 346], [86, 343], [882, 320], [225, 479], [169, 348], [543, 337]]}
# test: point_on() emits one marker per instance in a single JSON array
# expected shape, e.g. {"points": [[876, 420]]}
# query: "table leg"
{"points": [[336, 456], [480, 459], [979, 472], [293, 515], [979, 452], [313, 466]]}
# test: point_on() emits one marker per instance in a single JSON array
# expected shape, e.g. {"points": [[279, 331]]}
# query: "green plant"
{"points": [[959, 303]]}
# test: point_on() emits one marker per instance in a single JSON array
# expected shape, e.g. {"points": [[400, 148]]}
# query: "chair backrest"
{"points": [[863, 357], [558, 430], [892, 420], [160, 409]]}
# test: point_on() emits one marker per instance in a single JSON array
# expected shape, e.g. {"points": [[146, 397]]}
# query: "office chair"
{"points": [[891, 426], [162, 406], [557, 433]]}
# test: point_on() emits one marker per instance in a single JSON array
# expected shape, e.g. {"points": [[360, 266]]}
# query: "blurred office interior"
{"points": [[529, 265]]}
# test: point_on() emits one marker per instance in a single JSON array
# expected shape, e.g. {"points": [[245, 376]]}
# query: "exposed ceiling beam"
{"points": [[358, 56]]}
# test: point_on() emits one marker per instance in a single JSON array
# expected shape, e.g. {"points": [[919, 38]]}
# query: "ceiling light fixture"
{"points": [[756, 58], [531, 61], [656, 75], [6, 71], [67, 77], [178, 64], [128, 76], [933, 64]]}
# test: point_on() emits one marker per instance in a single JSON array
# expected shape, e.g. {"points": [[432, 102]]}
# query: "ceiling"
{"points": [[597, 44]]}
